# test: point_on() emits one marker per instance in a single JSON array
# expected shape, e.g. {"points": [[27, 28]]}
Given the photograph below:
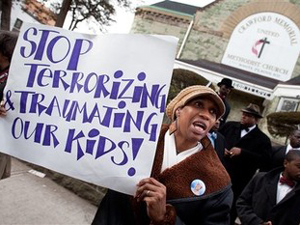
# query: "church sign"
{"points": [[264, 43]]}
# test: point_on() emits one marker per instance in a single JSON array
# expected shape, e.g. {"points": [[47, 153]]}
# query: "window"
{"points": [[287, 105]]}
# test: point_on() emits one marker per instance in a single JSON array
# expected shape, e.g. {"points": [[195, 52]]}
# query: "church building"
{"points": [[255, 43]]}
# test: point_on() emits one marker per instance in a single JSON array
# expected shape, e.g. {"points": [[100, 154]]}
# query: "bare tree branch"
{"points": [[101, 11], [5, 15]]}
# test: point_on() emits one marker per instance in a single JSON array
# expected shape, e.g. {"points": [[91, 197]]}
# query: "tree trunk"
{"points": [[5, 15], [63, 13]]}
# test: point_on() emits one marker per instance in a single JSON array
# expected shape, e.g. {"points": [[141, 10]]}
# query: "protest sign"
{"points": [[87, 106]]}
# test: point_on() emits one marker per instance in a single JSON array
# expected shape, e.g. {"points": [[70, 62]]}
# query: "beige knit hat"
{"points": [[191, 92]]}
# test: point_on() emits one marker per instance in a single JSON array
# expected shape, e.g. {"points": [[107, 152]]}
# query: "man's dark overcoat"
{"points": [[220, 146], [257, 203], [227, 111], [255, 154], [278, 156]]}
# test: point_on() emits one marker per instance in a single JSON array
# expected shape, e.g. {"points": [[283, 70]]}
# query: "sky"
{"points": [[124, 18]]}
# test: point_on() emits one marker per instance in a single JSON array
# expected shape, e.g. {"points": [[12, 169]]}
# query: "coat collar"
{"points": [[178, 178], [272, 181]]}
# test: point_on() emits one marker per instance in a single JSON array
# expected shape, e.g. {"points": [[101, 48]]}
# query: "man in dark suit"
{"points": [[279, 153], [225, 87], [217, 141], [247, 150], [273, 198]]}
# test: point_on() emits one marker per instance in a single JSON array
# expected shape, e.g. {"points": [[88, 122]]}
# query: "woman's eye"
{"points": [[213, 112], [198, 104]]}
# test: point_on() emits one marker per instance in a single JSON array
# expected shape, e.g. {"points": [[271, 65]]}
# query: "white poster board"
{"points": [[87, 106]]}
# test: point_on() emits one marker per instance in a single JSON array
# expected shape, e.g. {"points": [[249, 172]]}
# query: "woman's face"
{"points": [[198, 187], [196, 118]]}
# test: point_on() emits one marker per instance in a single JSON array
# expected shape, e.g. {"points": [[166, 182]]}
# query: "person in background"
{"points": [[217, 140], [279, 153], [273, 198], [247, 150], [225, 87], [188, 183], [8, 41]]}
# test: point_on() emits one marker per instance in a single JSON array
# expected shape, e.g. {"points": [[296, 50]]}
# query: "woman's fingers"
{"points": [[154, 194], [149, 187], [2, 110]]}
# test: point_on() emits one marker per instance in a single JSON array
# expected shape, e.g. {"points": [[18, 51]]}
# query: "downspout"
{"points": [[185, 38], [208, 84]]}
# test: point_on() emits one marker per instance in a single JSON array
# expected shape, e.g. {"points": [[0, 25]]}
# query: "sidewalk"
{"points": [[29, 199]]}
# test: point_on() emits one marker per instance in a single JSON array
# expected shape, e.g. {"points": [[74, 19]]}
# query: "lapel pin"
{"points": [[198, 187]]}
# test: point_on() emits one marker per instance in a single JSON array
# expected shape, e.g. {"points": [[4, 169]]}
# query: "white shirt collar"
{"points": [[244, 132], [289, 147], [282, 190]]}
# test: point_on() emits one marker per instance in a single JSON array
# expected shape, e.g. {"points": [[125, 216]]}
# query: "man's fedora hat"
{"points": [[253, 109], [227, 82]]}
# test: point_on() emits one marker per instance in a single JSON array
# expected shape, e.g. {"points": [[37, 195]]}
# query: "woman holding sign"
{"points": [[188, 184], [7, 44]]}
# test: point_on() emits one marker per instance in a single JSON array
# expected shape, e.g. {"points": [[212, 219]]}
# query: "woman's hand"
{"points": [[154, 194]]}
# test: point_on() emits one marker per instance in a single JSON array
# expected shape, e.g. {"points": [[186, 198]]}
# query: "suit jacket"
{"points": [[227, 111], [278, 155], [257, 203], [255, 154], [220, 145]]}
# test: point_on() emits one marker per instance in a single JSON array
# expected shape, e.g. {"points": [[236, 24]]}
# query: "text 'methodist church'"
{"points": [[256, 43]]}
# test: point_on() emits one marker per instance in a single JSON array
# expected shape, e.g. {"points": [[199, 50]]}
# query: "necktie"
{"points": [[243, 127], [286, 181]]}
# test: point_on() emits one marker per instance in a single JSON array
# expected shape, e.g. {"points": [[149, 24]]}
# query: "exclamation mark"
{"points": [[136, 145]]}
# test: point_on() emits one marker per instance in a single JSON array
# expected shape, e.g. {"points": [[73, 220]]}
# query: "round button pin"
{"points": [[198, 187]]}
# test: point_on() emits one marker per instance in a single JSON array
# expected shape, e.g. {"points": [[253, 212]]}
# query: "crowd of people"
{"points": [[205, 173], [206, 170]]}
